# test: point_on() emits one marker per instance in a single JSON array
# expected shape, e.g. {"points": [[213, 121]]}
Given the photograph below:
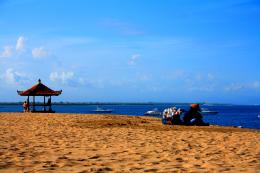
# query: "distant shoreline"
{"points": [[125, 103]]}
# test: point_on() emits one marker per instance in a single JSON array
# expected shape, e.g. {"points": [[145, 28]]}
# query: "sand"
{"points": [[102, 143]]}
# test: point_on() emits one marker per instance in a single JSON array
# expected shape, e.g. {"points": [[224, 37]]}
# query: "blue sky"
{"points": [[132, 50]]}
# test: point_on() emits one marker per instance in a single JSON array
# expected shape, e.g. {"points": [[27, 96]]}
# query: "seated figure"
{"points": [[167, 116], [194, 117], [176, 118], [172, 116], [26, 106]]}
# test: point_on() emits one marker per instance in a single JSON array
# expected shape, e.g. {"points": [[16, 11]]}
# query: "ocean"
{"points": [[246, 116]]}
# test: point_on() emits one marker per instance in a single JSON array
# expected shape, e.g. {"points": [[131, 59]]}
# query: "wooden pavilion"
{"points": [[40, 90]]}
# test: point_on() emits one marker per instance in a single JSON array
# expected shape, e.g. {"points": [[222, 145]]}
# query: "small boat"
{"points": [[153, 112], [100, 110], [258, 116], [206, 111]]}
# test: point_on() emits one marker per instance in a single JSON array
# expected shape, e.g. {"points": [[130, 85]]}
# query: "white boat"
{"points": [[101, 110], [206, 111], [258, 116], [153, 112]]}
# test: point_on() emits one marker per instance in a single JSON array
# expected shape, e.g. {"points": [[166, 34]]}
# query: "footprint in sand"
{"points": [[94, 157], [100, 170], [151, 170]]}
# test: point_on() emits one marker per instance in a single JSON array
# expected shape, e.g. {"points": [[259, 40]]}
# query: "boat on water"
{"points": [[154, 112], [101, 110], [206, 111]]}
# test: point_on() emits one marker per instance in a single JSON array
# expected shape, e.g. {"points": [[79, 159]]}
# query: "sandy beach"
{"points": [[104, 143]]}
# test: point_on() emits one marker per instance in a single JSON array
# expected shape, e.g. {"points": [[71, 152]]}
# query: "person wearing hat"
{"points": [[194, 117]]}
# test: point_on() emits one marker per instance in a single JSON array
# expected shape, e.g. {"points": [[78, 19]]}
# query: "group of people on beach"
{"points": [[181, 117]]}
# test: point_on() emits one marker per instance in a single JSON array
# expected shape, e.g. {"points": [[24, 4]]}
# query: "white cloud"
{"points": [[39, 52], [234, 87], [19, 47], [133, 59], [64, 77], [13, 77], [144, 77], [176, 75], [255, 85], [9, 76], [210, 76], [205, 87], [241, 86], [20, 43], [67, 78], [7, 52], [203, 77], [192, 81]]}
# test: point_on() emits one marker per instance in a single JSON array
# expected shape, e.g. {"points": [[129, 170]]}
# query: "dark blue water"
{"points": [[229, 115]]}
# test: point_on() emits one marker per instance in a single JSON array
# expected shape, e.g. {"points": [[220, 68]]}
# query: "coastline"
{"points": [[109, 143]]}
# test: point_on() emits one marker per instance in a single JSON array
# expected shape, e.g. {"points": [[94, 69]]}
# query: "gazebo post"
{"points": [[50, 104], [28, 101], [44, 104], [34, 103]]}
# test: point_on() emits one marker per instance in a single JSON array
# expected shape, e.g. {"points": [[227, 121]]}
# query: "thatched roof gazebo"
{"points": [[40, 89]]}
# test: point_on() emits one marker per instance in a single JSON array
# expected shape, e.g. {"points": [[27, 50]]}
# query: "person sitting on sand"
{"points": [[173, 111], [172, 116], [194, 117], [176, 118], [167, 116], [25, 106]]}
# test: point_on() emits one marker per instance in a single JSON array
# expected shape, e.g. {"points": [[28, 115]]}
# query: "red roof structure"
{"points": [[39, 90]]}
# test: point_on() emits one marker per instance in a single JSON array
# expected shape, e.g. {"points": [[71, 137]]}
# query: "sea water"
{"points": [[229, 115]]}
